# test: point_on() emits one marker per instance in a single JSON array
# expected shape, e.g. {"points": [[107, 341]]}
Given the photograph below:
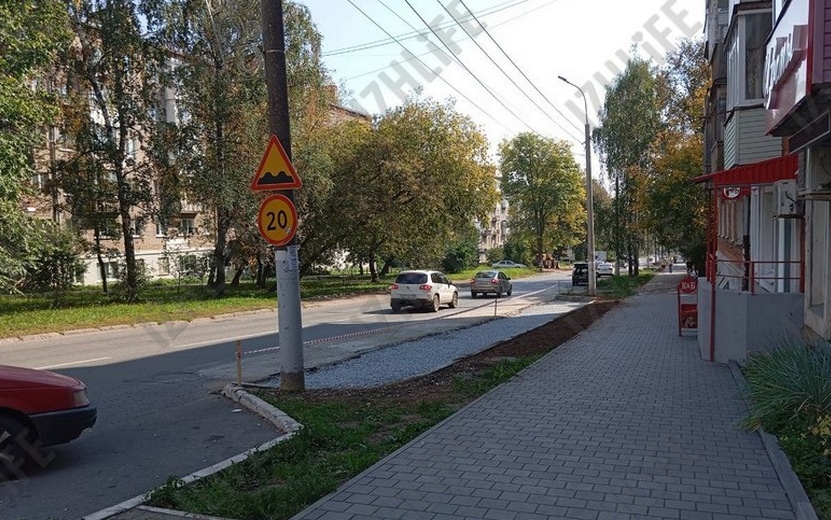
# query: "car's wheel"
{"points": [[454, 301], [499, 293], [510, 290], [15, 444], [396, 307], [436, 303]]}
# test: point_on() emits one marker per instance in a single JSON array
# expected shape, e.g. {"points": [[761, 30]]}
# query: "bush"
{"points": [[792, 382], [790, 389]]}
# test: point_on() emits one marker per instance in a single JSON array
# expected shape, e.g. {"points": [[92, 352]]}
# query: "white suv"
{"points": [[430, 289]]}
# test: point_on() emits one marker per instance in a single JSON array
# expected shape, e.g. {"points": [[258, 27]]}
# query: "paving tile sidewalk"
{"points": [[625, 421]]}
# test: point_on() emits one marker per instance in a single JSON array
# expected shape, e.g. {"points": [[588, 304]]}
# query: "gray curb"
{"points": [[285, 424], [790, 481]]}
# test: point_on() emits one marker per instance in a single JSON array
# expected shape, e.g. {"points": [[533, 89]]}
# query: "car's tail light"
{"points": [[393, 287], [426, 287], [79, 398], [494, 281], [473, 280]]}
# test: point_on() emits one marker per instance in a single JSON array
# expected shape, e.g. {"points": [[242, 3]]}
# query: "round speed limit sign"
{"points": [[277, 220]]}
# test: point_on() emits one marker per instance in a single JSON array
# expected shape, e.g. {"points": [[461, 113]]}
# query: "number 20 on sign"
{"points": [[277, 220]]}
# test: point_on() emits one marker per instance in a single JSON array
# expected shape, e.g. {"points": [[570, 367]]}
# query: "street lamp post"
{"points": [[592, 288]]}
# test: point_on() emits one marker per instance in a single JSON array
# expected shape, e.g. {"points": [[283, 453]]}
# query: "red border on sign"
{"points": [[296, 185], [293, 210]]}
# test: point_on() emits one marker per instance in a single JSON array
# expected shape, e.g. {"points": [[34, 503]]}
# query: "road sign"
{"points": [[277, 220], [276, 171]]}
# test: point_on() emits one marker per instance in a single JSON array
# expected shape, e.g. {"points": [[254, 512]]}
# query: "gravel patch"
{"points": [[425, 355]]}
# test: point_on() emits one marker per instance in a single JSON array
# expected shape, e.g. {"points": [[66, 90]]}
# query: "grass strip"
{"points": [[342, 436]]}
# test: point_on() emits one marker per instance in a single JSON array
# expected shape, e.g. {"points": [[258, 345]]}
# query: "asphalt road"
{"points": [[156, 390]]}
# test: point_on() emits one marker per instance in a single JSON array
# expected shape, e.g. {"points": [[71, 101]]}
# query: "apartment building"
{"points": [[751, 295], [798, 109]]}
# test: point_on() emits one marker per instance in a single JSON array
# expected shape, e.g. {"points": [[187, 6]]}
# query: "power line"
{"points": [[415, 33], [520, 15], [561, 127], [500, 123], [474, 76], [516, 66]]}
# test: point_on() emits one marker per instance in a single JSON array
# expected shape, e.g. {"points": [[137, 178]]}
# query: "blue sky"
{"points": [[586, 41]]}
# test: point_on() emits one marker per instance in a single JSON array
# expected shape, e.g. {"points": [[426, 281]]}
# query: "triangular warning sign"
{"points": [[276, 171]]}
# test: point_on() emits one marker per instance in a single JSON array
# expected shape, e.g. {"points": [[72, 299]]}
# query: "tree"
{"points": [[31, 34], [221, 98], [402, 188], [544, 186], [677, 207], [427, 179], [630, 120], [111, 72]]}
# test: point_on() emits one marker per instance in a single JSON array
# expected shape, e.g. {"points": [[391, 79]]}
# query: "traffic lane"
{"points": [[148, 427], [257, 330]]}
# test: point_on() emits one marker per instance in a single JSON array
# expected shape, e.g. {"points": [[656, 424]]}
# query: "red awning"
{"points": [[764, 172]]}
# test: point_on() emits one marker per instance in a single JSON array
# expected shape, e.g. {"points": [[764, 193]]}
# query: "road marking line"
{"points": [[50, 367]]}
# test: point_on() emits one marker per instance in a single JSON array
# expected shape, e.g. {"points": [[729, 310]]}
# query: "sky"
{"points": [[505, 76]]}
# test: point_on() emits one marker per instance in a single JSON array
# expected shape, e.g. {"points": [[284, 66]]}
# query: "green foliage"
{"points": [[462, 254], [790, 393], [789, 383], [31, 33], [402, 188], [518, 249], [630, 121], [545, 189], [339, 439], [496, 254], [57, 259]]}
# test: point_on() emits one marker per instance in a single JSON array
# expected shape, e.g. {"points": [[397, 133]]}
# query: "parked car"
{"points": [[604, 269], [495, 282], [422, 288], [38, 408], [580, 274], [507, 264]]}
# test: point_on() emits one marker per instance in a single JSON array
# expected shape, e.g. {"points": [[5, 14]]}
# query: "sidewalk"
{"points": [[625, 421]]}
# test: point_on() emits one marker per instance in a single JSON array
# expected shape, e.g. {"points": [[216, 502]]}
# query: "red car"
{"points": [[38, 409]]}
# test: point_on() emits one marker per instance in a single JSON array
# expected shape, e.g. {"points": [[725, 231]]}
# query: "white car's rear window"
{"points": [[411, 278]]}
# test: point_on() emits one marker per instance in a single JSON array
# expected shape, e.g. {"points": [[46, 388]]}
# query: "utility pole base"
{"points": [[293, 382]]}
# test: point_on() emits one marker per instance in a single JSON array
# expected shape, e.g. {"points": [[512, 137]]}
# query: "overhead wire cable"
{"points": [[520, 15], [462, 63], [495, 120], [415, 33], [498, 66], [517, 66]]}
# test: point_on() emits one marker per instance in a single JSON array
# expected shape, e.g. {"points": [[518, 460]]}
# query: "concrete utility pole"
{"points": [[592, 287], [292, 377]]}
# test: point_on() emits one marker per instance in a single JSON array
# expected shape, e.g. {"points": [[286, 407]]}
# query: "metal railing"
{"points": [[754, 276]]}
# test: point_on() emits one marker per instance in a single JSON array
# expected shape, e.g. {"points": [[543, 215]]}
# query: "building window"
{"points": [[746, 58], [161, 228], [758, 26], [187, 226], [136, 228], [111, 270], [164, 265]]}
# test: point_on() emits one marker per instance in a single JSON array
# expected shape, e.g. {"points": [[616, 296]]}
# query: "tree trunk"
{"points": [[101, 268], [385, 270], [373, 274], [223, 223], [237, 276]]}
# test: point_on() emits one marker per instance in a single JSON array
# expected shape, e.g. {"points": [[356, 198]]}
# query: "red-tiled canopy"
{"points": [[763, 172]]}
